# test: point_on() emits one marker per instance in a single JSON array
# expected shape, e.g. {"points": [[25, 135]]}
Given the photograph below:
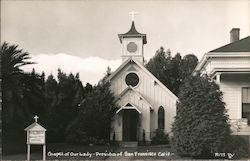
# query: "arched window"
{"points": [[161, 118]]}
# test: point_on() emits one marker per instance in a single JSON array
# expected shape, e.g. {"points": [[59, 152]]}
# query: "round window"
{"points": [[131, 47], [132, 79]]}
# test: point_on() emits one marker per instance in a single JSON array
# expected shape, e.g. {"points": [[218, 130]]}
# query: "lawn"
{"points": [[62, 151]]}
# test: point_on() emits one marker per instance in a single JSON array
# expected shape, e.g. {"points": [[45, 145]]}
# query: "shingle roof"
{"points": [[133, 33], [242, 45]]}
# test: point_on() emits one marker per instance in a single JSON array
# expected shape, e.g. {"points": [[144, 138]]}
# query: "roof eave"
{"points": [[143, 36]]}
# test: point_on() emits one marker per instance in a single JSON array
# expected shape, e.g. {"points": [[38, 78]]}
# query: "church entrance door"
{"points": [[130, 124]]}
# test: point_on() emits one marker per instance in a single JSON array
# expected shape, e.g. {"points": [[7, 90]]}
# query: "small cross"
{"points": [[133, 13], [36, 118]]}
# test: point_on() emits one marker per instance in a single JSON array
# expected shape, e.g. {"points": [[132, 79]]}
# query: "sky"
{"points": [[82, 35]]}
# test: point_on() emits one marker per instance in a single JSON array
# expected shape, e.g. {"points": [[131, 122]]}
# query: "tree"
{"points": [[12, 60], [33, 96], [93, 123], [63, 97], [201, 124], [22, 91], [187, 65], [176, 73], [171, 71], [22, 94], [97, 110], [160, 66]]}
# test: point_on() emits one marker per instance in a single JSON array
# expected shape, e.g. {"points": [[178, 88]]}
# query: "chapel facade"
{"points": [[145, 104]]}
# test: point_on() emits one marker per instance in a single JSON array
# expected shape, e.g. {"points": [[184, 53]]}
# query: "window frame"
{"points": [[161, 121], [242, 88]]}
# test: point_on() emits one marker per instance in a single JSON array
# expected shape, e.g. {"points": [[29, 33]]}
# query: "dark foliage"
{"points": [[92, 124], [238, 145], [65, 108], [63, 97], [171, 71], [21, 93], [160, 137], [201, 124]]}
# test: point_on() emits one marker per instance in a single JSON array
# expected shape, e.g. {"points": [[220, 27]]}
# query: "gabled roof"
{"points": [[137, 93], [131, 107], [129, 60], [242, 45], [35, 127], [133, 33]]}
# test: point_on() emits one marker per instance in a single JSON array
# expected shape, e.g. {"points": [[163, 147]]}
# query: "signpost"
{"points": [[35, 136]]}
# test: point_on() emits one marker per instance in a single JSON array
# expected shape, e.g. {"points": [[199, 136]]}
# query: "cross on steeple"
{"points": [[133, 13], [36, 118]]}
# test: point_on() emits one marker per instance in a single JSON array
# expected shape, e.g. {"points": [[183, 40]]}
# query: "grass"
{"points": [[62, 149], [75, 152], [66, 151]]}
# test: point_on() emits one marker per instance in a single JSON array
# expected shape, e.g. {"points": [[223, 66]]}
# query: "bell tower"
{"points": [[132, 43]]}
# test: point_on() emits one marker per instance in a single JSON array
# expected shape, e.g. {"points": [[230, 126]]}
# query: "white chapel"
{"points": [[145, 104]]}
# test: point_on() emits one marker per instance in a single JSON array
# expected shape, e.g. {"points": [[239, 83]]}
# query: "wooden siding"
{"points": [[232, 95], [151, 91]]}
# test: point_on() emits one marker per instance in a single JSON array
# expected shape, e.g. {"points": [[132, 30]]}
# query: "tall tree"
{"points": [[171, 71], [12, 60], [22, 94], [201, 125], [97, 111], [63, 97], [160, 66], [33, 95], [93, 122], [175, 73], [187, 65]]}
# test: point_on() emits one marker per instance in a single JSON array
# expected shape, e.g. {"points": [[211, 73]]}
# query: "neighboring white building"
{"points": [[229, 66], [145, 104]]}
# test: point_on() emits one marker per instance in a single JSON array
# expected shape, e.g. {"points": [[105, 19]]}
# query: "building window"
{"points": [[131, 47], [161, 118], [246, 103], [132, 79]]}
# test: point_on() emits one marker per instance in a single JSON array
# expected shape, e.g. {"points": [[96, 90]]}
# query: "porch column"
{"points": [[218, 78]]}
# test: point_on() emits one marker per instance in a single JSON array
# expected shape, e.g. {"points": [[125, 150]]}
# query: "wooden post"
{"points": [[28, 152], [44, 152]]}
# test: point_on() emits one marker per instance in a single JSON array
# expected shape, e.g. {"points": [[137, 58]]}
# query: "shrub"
{"points": [[76, 136], [201, 125], [79, 137], [238, 145], [93, 122], [160, 137]]}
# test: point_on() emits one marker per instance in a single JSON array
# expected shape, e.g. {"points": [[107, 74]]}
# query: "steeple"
{"points": [[133, 33], [132, 43]]}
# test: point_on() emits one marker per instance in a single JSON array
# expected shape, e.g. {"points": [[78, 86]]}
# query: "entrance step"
{"points": [[129, 144]]}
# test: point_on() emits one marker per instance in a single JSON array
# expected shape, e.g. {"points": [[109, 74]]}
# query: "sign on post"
{"points": [[35, 135]]}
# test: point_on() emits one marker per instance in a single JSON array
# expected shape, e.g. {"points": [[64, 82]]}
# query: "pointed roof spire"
{"points": [[133, 33]]}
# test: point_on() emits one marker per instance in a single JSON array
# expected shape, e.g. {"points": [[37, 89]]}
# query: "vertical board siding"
{"points": [[153, 93]]}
